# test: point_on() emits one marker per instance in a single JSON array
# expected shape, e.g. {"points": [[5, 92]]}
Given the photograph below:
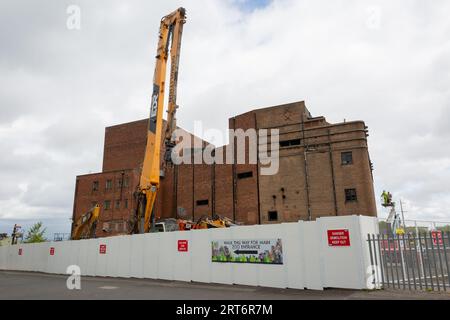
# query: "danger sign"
{"points": [[52, 251], [437, 237], [182, 245], [20, 251], [102, 249], [338, 238]]}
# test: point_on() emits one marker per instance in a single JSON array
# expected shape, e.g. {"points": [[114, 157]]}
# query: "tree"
{"points": [[36, 234], [445, 228]]}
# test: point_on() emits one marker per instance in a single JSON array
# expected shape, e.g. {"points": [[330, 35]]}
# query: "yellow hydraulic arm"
{"points": [[84, 227], [170, 31]]}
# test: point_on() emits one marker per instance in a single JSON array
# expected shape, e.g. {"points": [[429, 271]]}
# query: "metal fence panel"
{"points": [[412, 261]]}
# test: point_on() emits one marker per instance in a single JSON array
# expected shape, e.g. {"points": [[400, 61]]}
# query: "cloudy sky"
{"points": [[384, 62]]}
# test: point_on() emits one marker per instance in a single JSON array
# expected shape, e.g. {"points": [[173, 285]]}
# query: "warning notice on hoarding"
{"points": [[182, 245], [102, 249], [265, 251], [338, 238]]}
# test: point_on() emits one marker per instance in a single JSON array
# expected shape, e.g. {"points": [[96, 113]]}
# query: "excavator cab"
{"points": [[86, 225]]}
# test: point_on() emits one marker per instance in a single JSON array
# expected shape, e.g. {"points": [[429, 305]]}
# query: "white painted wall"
{"points": [[309, 262]]}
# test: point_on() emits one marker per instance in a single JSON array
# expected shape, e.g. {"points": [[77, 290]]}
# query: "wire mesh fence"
{"points": [[410, 261], [61, 236]]}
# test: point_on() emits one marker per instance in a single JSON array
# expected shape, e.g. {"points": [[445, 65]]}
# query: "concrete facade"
{"points": [[324, 170]]}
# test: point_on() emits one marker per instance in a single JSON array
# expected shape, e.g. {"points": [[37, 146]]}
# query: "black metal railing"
{"points": [[410, 261]]}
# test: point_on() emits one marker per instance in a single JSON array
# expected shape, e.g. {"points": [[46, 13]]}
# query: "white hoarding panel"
{"points": [[166, 255], [137, 256], [103, 255], [245, 272], [310, 247], [182, 255], [273, 269], [93, 253], [151, 252], [293, 254], [83, 255], [124, 257], [113, 256], [220, 272], [200, 252], [3, 257], [341, 252]]}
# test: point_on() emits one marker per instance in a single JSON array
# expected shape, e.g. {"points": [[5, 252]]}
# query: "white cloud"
{"points": [[383, 62]]}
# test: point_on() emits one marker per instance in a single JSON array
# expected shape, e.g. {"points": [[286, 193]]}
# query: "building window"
{"points": [[95, 186], [108, 184], [126, 204], [117, 204], [244, 175], [346, 158], [273, 215], [126, 182], [119, 183], [202, 202], [289, 143], [107, 204], [350, 195], [105, 227]]}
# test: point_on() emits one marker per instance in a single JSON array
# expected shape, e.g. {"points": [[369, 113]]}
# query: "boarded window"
{"points": [[126, 204], [108, 184], [202, 202], [289, 143], [244, 175], [117, 204], [273, 215], [95, 186], [346, 158], [350, 195]]}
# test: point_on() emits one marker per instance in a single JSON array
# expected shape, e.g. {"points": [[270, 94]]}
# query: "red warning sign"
{"points": [[20, 251], [102, 249], [182, 245], [437, 237], [52, 251], [338, 238]]}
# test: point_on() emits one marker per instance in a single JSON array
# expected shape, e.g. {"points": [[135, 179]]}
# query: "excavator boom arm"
{"points": [[171, 28]]}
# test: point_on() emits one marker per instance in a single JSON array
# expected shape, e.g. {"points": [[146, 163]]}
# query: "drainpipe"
{"points": [[305, 150], [332, 173]]}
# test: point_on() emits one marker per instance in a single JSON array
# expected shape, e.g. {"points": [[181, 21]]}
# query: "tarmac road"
{"points": [[27, 285]]}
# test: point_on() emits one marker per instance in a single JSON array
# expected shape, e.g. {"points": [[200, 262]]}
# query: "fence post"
{"points": [[381, 259], [440, 259], [372, 264], [445, 254]]}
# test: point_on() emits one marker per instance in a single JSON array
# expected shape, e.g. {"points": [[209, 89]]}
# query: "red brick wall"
{"points": [[86, 198], [125, 145]]}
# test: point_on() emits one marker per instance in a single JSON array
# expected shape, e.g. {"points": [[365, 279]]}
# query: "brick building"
{"points": [[324, 169]]}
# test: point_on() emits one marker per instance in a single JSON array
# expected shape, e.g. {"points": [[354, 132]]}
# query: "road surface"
{"points": [[27, 285]]}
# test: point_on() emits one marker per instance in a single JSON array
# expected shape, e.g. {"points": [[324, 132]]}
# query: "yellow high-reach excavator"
{"points": [[143, 221], [170, 31]]}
